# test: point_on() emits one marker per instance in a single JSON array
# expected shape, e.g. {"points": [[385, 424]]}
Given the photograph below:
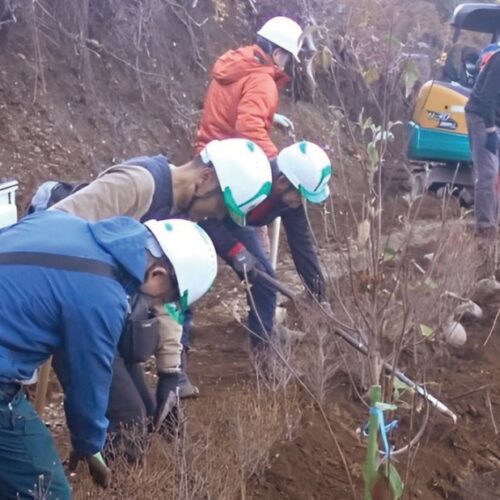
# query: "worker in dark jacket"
{"points": [[301, 172], [483, 121], [64, 284]]}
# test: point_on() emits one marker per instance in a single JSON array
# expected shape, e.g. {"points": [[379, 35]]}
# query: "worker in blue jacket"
{"points": [[64, 284]]}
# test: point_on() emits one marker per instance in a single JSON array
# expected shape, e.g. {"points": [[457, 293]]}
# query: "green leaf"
{"points": [[383, 135], [371, 75], [363, 233], [390, 125], [373, 153], [425, 330], [430, 283], [389, 254], [386, 406], [411, 74], [326, 58], [398, 389], [367, 124], [400, 385], [395, 482]]}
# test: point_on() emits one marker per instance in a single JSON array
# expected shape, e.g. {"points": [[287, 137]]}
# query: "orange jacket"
{"points": [[242, 98]]}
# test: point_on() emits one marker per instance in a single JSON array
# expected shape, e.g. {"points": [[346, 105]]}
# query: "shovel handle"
{"points": [[277, 285]]}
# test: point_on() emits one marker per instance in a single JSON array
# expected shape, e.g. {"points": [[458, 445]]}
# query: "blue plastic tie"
{"points": [[384, 428]]}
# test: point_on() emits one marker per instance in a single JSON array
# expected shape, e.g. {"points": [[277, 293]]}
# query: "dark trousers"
{"points": [[486, 208], [263, 305], [29, 464], [130, 407]]}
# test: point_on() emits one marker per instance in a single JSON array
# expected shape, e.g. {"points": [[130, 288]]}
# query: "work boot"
{"points": [[186, 388], [486, 233], [286, 334]]}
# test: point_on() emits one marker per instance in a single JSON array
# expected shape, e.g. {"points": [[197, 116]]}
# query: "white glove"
{"points": [[326, 308], [283, 121]]}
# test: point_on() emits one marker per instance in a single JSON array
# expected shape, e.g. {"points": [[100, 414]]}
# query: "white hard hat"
{"points": [[308, 168], [191, 253], [283, 32], [244, 174]]}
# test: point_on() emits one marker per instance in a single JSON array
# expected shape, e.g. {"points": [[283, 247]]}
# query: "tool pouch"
{"points": [[140, 337]]}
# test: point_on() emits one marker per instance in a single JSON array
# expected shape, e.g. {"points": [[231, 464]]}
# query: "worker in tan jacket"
{"points": [[228, 177]]}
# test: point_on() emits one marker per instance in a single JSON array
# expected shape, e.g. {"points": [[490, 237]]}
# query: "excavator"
{"points": [[438, 141]]}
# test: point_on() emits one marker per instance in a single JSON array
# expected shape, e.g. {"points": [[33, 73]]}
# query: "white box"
{"points": [[8, 209]]}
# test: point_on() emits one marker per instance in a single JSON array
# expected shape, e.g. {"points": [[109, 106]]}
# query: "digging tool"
{"points": [[277, 285], [42, 385], [361, 347], [275, 241], [276, 224], [168, 414]]}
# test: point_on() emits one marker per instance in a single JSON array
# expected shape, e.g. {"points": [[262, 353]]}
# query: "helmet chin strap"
{"points": [[149, 295]]}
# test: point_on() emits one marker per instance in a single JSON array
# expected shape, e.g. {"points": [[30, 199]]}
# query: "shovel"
{"points": [[168, 414], [360, 347]]}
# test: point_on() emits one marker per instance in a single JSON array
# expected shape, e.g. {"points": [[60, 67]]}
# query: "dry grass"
{"points": [[220, 445]]}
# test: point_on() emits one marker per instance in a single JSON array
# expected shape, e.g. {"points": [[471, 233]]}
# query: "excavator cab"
{"points": [[438, 141], [461, 65]]}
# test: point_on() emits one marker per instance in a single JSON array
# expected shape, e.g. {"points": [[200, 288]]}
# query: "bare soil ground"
{"points": [[457, 462]]}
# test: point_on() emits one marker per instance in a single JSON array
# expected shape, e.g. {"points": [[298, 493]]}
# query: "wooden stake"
{"points": [[42, 385]]}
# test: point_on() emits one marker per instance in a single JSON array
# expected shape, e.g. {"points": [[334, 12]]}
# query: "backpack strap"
{"points": [[485, 58], [63, 262]]}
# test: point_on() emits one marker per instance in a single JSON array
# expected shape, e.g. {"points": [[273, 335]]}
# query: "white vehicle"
{"points": [[8, 209]]}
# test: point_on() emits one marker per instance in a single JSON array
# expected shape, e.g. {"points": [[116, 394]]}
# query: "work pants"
{"points": [[131, 408], [485, 173], [263, 301], [29, 464]]}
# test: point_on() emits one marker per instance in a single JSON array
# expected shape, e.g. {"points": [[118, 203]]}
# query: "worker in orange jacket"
{"points": [[243, 96]]}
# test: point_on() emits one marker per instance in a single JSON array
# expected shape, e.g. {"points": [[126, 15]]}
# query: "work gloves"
{"points": [[245, 261], [491, 143], [283, 121], [101, 474], [167, 404]]}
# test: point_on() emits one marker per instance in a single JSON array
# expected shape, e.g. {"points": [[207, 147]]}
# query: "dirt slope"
{"points": [[459, 462]]}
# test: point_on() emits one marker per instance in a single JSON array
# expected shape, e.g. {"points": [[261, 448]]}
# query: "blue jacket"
{"points": [[45, 309]]}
